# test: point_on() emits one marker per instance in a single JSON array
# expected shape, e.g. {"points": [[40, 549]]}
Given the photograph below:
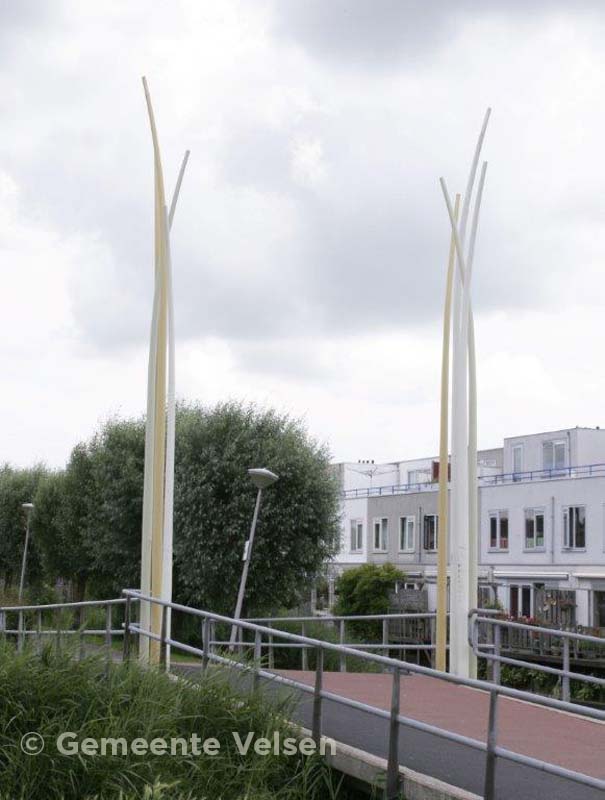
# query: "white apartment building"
{"points": [[541, 500]]}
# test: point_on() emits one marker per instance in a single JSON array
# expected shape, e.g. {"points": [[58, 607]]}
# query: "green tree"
{"points": [[61, 520], [213, 505], [365, 590], [298, 525], [17, 486]]}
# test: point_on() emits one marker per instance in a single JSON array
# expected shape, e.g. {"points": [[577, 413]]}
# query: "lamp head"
{"points": [[262, 478], [27, 506]]}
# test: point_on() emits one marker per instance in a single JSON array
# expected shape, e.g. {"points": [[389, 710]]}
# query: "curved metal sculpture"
{"points": [[464, 516], [158, 488]]}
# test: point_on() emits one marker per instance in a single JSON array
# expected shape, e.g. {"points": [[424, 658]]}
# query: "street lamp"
{"points": [[261, 478], [29, 507]]}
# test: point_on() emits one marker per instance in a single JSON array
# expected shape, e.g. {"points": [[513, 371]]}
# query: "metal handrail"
{"points": [[492, 617], [397, 667], [580, 471]]}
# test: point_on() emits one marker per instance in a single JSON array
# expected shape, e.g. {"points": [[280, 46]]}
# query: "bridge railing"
{"points": [[208, 653], [491, 636], [414, 633]]}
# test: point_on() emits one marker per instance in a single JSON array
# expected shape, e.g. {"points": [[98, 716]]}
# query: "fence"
{"points": [[489, 635], [263, 634]]}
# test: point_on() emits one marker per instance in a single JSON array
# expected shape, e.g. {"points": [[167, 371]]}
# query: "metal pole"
{"points": [[108, 635], [489, 791], [319, 666], [163, 662], [343, 658], [392, 787], [205, 643], [303, 652], [39, 631], [497, 646], [24, 561], [257, 658], [126, 652], [21, 635], [565, 680], [244, 578]]}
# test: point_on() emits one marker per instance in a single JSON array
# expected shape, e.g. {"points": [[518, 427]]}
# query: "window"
{"points": [[553, 455], [356, 535], [517, 461], [534, 528], [419, 476], [431, 531], [520, 601], [574, 528], [381, 534], [498, 530], [406, 534]]}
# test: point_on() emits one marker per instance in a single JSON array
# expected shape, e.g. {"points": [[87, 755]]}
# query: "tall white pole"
{"points": [[463, 494], [158, 489]]}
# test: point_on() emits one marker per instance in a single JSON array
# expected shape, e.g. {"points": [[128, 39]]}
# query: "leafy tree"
{"points": [[115, 504], [95, 529], [297, 528], [60, 521], [17, 486], [365, 590]]}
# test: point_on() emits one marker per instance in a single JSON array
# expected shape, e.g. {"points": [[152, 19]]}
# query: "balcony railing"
{"points": [[582, 471]]}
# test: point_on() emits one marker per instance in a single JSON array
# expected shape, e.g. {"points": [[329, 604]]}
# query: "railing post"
{"points": [[319, 667], [126, 650], [163, 629], [205, 643], [21, 635], [257, 658], [497, 649], [211, 636], [58, 615], [271, 653], [489, 789], [385, 636], [392, 786], [107, 637], [565, 679], [304, 658], [82, 622], [343, 658], [39, 631]]}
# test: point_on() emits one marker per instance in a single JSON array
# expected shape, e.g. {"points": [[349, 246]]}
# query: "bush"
{"points": [[365, 590], [53, 694]]}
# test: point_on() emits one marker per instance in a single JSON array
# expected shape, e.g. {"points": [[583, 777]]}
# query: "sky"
{"points": [[310, 242]]}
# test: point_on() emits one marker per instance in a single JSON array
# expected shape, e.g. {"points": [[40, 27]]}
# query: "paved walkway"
{"points": [[550, 735]]}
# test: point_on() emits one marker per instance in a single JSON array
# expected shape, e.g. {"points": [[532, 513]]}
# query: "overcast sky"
{"points": [[310, 242]]}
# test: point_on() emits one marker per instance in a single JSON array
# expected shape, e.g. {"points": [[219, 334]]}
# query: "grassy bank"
{"points": [[52, 694]]}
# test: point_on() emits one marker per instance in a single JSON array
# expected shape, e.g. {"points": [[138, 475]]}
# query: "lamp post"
{"points": [[29, 507], [261, 478]]}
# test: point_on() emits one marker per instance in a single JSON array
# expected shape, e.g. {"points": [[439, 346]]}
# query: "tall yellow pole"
{"points": [[442, 544]]}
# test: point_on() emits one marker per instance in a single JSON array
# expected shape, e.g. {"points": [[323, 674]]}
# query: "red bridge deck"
{"points": [[554, 736]]}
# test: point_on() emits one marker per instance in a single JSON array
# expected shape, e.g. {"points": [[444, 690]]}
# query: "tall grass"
{"points": [[52, 694]]}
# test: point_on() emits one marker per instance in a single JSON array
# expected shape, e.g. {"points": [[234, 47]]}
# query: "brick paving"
{"points": [[554, 736]]}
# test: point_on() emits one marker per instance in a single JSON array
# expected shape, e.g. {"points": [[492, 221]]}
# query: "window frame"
{"points": [[498, 514], [435, 533], [569, 536], [517, 448], [383, 533], [535, 511], [404, 533], [358, 523], [554, 443]]}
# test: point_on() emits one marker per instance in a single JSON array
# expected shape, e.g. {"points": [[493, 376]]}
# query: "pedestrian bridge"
{"points": [[476, 736]]}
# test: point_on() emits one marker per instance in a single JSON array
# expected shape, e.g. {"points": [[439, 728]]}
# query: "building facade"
{"points": [[541, 501]]}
